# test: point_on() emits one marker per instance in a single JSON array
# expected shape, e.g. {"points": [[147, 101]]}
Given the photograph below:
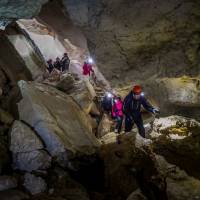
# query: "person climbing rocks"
{"points": [[107, 102], [117, 113], [65, 61], [57, 64], [87, 69], [132, 109], [50, 66]]}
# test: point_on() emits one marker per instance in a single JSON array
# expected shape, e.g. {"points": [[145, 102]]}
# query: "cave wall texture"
{"points": [[141, 39], [132, 39]]}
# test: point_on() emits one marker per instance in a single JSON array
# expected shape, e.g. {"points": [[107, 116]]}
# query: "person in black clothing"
{"points": [[50, 65], [65, 62], [131, 108], [57, 64], [107, 102]]}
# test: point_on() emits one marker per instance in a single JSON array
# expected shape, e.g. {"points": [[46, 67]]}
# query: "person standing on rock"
{"points": [[117, 113], [132, 109], [57, 64], [50, 66], [87, 69], [65, 61]]}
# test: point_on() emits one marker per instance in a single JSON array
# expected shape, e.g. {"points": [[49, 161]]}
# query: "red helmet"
{"points": [[137, 90]]}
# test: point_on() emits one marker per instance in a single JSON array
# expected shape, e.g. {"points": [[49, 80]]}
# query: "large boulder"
{"points": [[179, 185], [174, 127], [176, 95], [179, 142], [124, 163], [66, 83], [84, 95], [27, 149], [35, 185], [104, 126], [59, 121], [32, 161], [23, 138]]}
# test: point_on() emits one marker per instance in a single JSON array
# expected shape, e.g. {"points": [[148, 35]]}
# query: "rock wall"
{"points": [[139, 40]]}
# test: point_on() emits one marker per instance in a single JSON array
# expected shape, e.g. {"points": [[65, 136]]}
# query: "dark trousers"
{"points": [[129, 122], [118, 125]]}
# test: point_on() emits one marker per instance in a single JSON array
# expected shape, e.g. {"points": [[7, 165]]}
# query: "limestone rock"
{"points": [[59, 122], [66, 83], [23, 139], [121, 162], [35, 185], [185, 92], [32, 161], [180, 186], [7, 182], [84, 95], [179, 143], [27, 149], [174, 127], [104, 126], [155, 40]]}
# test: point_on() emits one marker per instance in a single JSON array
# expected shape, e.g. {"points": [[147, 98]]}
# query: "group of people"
{"points": [[62, 65], [130, 108]]}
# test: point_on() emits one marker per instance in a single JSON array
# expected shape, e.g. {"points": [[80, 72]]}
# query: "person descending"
{"points": [[50, 66], [87, 69], [117, 113], [57, 64], [131, 108], [65, 61]]}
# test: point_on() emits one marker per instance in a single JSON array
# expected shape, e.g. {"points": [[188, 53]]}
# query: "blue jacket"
{"points": [[132, 106]]}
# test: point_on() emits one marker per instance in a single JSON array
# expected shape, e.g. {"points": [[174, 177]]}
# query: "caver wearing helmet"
{"points": [[132, 109]]}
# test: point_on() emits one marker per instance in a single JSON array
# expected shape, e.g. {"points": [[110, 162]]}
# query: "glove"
{"points": [[155, 111]]}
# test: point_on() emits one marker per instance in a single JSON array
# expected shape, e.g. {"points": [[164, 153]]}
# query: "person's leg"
{"points": [[139, 122], [128, 123], [120, 120]]}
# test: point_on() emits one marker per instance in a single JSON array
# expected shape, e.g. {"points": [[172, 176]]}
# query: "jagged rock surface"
{"points": [[35, 185], [60, 123], [27, 149], [179, 142]]}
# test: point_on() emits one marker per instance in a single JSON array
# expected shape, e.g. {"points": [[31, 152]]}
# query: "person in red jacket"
{"points": [[87, 68], [117, 113]]}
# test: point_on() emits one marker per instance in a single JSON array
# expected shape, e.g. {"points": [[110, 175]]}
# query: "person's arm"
{"points": [[147, 105]]}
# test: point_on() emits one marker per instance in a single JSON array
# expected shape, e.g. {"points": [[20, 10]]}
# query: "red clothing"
{"points": [[87, 69], [117, 109]]}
